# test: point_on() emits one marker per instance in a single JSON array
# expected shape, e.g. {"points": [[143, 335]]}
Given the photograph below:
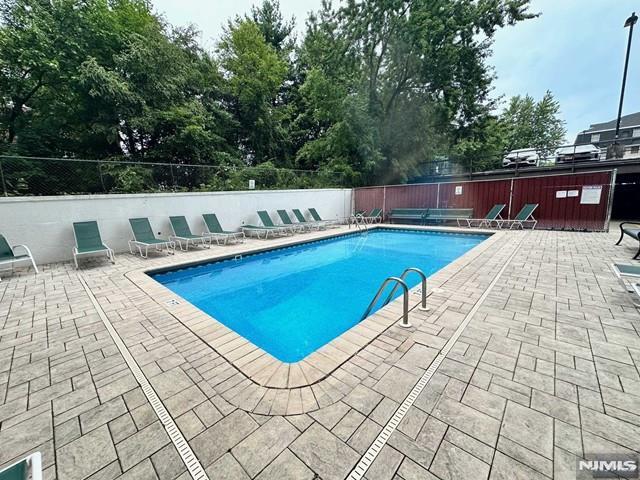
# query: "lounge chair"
{"points": [[286, 220], [89, 241], [316, 217], [143, 238], [25, 468], [9, 257], [492, 216], [375, 216], [636, 290], [265, 218], [260, 231], [182, 234], [632, 232], [303, 221], [215, 230], [623, 271], [525, 215]]}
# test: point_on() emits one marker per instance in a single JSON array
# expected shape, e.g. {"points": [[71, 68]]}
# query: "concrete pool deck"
{"points": [[545, 371]]}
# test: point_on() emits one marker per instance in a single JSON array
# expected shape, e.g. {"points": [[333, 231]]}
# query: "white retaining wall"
{"points": [[44, 223]]}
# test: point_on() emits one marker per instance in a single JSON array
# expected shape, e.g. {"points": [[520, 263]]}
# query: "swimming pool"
{"points": [[291, 301]]}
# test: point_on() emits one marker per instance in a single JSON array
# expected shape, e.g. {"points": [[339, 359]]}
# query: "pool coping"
{"points": [[257, 365]]}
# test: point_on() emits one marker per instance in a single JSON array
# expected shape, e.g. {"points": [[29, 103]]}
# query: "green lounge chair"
{"points": [[303, 221], [286, 220], [525, 215], [182, 234], [9, 257], [89, 241], [316, 217], [215, 230], [265, 218], [143, 238], [492, 216], [623, 271], [26, 468], [375, 216]]}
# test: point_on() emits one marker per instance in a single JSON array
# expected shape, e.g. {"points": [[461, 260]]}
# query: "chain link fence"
{"points": [[23, 176]]}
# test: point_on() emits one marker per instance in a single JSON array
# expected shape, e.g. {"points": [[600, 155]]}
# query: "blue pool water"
{"points": [[294, 300]]}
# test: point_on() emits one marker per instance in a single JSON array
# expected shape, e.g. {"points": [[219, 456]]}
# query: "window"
{"points": [[636, 132], [595, 138]]}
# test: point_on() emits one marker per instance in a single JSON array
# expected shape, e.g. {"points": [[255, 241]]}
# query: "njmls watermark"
{"points": [[609, 466]]}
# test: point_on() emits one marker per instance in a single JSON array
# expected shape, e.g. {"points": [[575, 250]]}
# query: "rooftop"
{"points": [[631, 120]]}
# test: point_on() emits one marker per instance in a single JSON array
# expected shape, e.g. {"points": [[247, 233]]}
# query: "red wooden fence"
{"points": [[560, 198]]}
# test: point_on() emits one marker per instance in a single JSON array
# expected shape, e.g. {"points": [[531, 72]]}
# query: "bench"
{"points": [[424, 215], [633, 230], [444, 214], [415, 214]]}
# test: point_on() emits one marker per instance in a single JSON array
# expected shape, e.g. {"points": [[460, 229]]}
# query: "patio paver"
{"points": [[545, 372]]}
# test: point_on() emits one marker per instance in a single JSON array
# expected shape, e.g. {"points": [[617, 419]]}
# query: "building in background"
{"points": [[602, 135]]}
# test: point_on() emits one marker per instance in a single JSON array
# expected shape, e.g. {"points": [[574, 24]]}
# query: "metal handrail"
{"points": [[423, 280], [405, 313]]}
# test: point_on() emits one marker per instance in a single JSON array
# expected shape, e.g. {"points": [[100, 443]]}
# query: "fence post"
{"points": [[104, 189], [4, 185], [173, 179]]}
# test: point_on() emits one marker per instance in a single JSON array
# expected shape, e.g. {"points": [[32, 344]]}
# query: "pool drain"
{"points": [[184, 450]]}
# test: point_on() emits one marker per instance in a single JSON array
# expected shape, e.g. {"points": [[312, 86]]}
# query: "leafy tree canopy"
{"points": [[530, 124], [372, 91]]}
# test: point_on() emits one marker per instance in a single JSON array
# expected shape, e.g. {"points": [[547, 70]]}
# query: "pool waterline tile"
{"points": [[264, 369]]}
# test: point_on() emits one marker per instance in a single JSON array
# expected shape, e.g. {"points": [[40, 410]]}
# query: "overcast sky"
{"points": [[575, 49]]}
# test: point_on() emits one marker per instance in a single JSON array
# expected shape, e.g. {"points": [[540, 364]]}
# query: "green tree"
{"points": [[530, 124], [254, 73], [275, 29], [419, 65]]}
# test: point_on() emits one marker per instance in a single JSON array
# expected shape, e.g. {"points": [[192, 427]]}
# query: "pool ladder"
{"points": [[399, 282]]}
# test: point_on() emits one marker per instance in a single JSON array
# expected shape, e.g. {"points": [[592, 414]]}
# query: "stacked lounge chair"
{"points": [[266, 220], [266, 229], [303, 221], [286, 220]]}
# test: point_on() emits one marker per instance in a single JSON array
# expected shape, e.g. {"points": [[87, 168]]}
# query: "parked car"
{"points": [[578, 153], [523, 157]]}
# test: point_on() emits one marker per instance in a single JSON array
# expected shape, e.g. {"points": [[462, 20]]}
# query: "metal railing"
{"points": [[400, 282], [423, 281], [560, 157]]}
